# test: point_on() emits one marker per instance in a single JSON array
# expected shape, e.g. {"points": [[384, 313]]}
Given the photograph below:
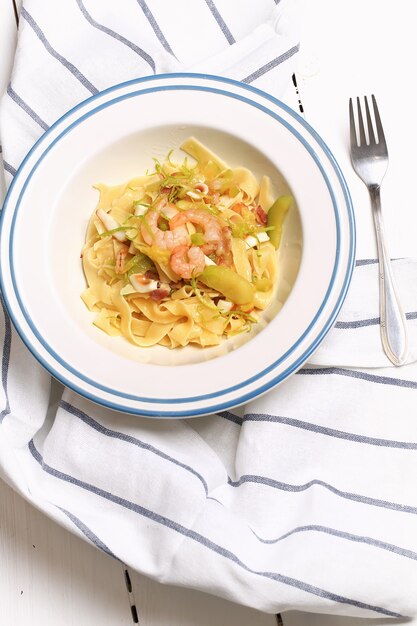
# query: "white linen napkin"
{"points": [[304, 499]]}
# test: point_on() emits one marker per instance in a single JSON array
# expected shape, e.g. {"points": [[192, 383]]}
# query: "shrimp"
{"points": [[187, 262], [215, 238], [164, 239]]}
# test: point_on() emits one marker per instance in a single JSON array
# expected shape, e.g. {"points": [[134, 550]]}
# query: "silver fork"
{"points": [[370, 162]]}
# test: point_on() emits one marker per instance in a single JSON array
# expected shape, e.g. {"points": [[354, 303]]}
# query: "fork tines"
{"points": [[362, 139]]}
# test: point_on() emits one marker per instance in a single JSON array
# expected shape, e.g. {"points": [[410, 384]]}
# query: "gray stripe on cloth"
{"points": [[220, 21], [373, 321], [9, 168], [227, 415], [371, 378], [370, 541], [129, 439], [155, 26], [204, 541], [331, 432], [270, 66], [144, 55], [360, 262], [276, 484], [5, 362], [64, 62], [26, 108], [96, 541]]}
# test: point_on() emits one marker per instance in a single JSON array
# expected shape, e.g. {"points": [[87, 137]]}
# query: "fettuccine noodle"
{"points": [[185, 254]]}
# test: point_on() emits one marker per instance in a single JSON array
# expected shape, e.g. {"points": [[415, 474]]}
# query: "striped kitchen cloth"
{"points": [[306, 498]]}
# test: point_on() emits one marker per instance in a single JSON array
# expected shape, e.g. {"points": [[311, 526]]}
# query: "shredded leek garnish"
{"points": [[207, 302], [146, 225], [108, 233], [248, 318]]}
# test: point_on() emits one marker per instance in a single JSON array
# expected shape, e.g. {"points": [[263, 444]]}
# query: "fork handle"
{"points": [[392, 319]]}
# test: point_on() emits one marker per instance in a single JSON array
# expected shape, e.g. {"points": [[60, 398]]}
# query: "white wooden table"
{"points": [[49, 576]]}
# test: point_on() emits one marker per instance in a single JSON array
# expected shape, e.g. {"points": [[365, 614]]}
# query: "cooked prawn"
{"points": [[187, 261], [164, 239], [215, 238]]}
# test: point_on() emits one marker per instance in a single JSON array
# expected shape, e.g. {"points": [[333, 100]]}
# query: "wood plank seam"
{"points": [[131, 597], [297, 93]]}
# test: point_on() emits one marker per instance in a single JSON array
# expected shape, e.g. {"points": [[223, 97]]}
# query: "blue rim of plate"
{"points": [[271, 383]]}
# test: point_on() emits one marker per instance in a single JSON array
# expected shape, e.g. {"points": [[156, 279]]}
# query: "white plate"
{"points": [[112, 137]]}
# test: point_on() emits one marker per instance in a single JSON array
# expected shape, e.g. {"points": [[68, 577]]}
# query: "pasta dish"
{"points": [[185, 254]]}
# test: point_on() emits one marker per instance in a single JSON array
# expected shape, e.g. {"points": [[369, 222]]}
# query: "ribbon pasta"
{"points": [[181, 255]]}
